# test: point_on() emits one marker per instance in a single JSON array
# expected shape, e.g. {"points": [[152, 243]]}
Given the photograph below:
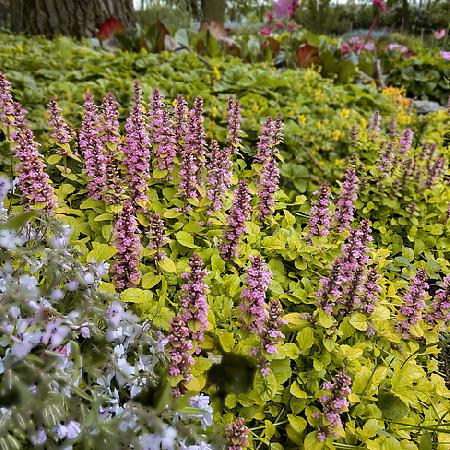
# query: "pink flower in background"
{"points": [[439, 34], [266, 31], [445, 55], [286, 8], [380, 4]]}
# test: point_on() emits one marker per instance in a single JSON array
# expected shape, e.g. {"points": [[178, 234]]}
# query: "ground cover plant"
{"points": [[317, 113], [316, 322]]}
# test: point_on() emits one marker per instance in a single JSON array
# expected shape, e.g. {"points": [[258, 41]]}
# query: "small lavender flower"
{"points": [[92, 149], [267, 140], [334, 403], [110, 135], [6, 102], [320, 221], [434, 172], [405, 143], [392, 128], [33, 183], [234, 124], [236, 434], [374, 126], [387, 158], [240, 212], [372, 291], [253, 295], [157, 235], [181, 119], [136, 150], [126, 240], [61, 132], [194, 301], [345, 208], [180, 349], [268, 184], [219, 175], [413, 303], [161, 132], [440, 305]]}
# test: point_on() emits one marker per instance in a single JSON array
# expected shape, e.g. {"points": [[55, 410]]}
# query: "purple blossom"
{"points": [[54, 334], [92, 149], [253, 295], [219, 167], [320, 221], [413, 303], [157, 235], [371, 291], [161, 130], [234, 124], [194, 301], [61, 132], [240, 211], [236, 434], [268, 139], [193, 152], [110, 135], [268, 184], [434, 171], [374, 126], [180, 349], [345, 208], [387, 158], [181, 121], [6, 102], [136, 150], [405, 143], [334, 404], [440, 305], [33, 183], [128, 245]]}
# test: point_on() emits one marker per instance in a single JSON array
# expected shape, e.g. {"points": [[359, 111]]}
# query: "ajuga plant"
{"points": [[319, 294], [76, 365]]}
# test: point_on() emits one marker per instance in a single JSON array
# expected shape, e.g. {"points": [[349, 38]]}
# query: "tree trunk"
{"points": [[4, 14], [405, 15], [213, 11], [71, 17]]}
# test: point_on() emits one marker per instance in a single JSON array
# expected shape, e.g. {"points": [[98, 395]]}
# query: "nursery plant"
{"points": [[310, 322]]}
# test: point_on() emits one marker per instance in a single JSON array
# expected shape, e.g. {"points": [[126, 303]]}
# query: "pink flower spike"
{"points": [[440, 34]]}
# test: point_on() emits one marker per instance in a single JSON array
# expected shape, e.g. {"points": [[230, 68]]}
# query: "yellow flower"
{"points": [[318, 125], [337, 135], [345, 113], [339, 162], [217, 73], [363, 123], [215, 111], [302, 119]]}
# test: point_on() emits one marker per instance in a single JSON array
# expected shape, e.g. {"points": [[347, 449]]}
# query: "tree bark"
{"points": [[213, 11], [70, 17], [405, 15]]}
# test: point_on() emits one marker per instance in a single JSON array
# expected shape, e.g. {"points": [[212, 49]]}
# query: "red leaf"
{"points": [[307, 55], [109, 28]]}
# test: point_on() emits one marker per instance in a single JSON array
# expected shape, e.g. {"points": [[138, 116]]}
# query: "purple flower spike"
{"points": [[161, 131], [219, 167], [405, 143], [347, 196], [320, 222], [157, 235], [136, 150], [374, 126], [440, 305], [128, 245], [34, 183], [110, 135], [61, 132], [268, 139], [268, 184], [181, 121], [240, 211], [92, 149], [6, 102], [413, 303], [434, 171], [372, 291], [334, 403], [253, 295], [236, 434], [193, 153], [194, 301], [179, 349], [234, 124], [387, 158]]}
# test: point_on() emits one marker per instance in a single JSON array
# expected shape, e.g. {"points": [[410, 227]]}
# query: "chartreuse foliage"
{"points": [[399, 397], [317, 113]]}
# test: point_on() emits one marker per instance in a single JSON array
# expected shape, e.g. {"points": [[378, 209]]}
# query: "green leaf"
{"points": [[185, 239], [18, 221], [298, 423], [105, 216], [296, 391], [167, 265], [305, 338], [358, 321], [391, 406], [101, 252], [54, 159], [226, 340], [135, 295], [150, 280], [325, 320], [312, 442]]}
